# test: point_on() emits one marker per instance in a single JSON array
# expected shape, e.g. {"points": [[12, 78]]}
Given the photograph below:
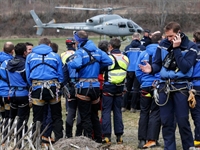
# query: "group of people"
{"points": [[161, 74]]}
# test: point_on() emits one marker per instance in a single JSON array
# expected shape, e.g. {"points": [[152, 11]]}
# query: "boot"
{"points": [[106, 140], [150, 144], [79, 130], [141, 144], [119, 139], [68, 130]]}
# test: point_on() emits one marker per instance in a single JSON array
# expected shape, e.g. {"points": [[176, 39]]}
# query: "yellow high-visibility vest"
{"points": [[65, 55], [116, 73]]}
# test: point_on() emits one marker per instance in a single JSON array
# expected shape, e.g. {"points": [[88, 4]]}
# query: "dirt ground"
{"points": [[130, 141]]}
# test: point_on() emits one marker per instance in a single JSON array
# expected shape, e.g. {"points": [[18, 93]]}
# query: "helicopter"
{"points": [[104, 24]]}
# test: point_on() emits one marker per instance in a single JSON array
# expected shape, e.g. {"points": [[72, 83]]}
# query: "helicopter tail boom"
{"points": [[38, 22]]}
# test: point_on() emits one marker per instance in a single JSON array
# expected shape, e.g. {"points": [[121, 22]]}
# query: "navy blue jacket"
{"points": [[146, 41], [185, 56], [133, 51], [196, 72]]}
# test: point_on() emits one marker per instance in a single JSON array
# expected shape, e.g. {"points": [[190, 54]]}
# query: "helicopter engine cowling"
{"points": [[92, 21]]}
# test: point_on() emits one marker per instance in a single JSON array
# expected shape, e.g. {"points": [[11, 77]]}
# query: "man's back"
{"points": [[43, 64]]}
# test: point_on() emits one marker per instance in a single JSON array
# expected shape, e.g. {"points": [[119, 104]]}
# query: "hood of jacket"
{"points": [[89, 45], [16, 64], [42, 49]]}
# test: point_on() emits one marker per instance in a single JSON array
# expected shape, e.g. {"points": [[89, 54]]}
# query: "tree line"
{"points": [[16, 20]]}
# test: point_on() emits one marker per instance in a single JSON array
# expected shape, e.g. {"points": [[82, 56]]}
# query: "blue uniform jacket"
{"points": [[91, 71], [196, 72], [133, 51], [17, 77], [4, 89], [146, 80], [185, 56], [43, 71]]}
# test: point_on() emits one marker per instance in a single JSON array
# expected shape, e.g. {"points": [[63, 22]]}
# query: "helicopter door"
{"points": [[101, 20], [122, 26]]}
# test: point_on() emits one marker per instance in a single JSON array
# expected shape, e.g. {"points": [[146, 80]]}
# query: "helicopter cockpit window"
{"points": [[122, 25], [130, 25]]}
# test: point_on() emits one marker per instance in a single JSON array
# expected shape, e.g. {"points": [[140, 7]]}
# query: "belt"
{"points": [[88, 80], [41, 82]]}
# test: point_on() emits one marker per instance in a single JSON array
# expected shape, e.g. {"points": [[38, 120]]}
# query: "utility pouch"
{"points": [[169, 62]]}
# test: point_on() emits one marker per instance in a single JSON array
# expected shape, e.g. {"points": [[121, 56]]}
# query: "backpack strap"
{"points": [[150, 59], [117, 66], [43, 62], [92, 60]]}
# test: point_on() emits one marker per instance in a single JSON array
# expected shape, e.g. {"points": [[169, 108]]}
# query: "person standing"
{"points": [[149, 121], [18, 93], [7, 54], [87, 60], [44, 75], [146, 40], [71, 77], [29, 47], [113, 87], [174, 60], [132, 51], [195, 110]]}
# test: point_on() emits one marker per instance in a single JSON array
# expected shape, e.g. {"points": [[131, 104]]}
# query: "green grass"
{"points": [[60, 41]]}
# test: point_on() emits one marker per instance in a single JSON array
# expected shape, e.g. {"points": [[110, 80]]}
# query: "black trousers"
{"points": [[89, 113], [149, 122], [38, 110], [131, 84], [19, 106]]}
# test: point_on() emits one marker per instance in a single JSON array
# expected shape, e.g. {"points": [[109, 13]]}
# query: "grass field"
{"points": [[59, 40]]}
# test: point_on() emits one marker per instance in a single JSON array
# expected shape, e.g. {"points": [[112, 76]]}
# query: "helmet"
{"points": [[70, 41]]}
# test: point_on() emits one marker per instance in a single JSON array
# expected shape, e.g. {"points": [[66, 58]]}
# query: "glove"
{"points": [[191, 98]]}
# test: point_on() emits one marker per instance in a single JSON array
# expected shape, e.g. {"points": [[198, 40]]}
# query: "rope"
{"points": [[168, 90]]}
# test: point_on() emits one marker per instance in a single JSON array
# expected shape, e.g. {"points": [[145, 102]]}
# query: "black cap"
{"points": [[147, 30]]}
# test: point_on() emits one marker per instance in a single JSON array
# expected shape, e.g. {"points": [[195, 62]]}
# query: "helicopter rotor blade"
{"points": [[108, 9], [63, 7]]}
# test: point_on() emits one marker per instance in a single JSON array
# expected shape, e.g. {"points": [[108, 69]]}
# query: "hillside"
{"points": [[152, 15]]}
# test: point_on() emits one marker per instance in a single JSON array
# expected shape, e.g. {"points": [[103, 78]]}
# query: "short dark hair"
{"points": [[196, 36], [29, 44], [115, 43], [172, 26], [20, 48], [156, 38], [54, 47], [8, 47], [103, 45], [44, 41]]}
